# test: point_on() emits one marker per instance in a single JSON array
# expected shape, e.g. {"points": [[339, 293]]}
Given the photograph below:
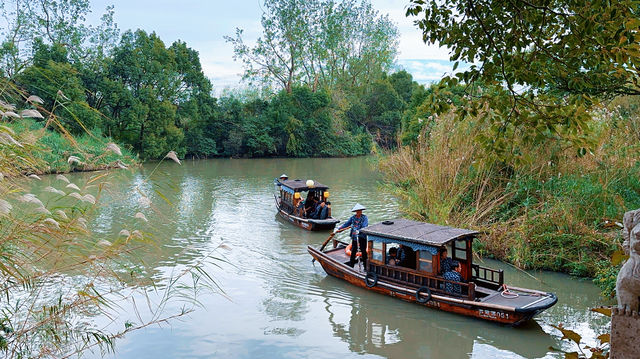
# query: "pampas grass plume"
{"points": [[62, 178], [73, 186], [141, 216], [173, 156], [34, 98], [5, 207], [114, 148]]}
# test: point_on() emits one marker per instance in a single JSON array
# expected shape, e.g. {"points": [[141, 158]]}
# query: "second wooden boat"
{"points": [[290, 204]]}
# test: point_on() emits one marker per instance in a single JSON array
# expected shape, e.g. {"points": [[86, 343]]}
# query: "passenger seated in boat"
{"points": [[299, 208], [321, 211], [456, 276], [406, 257], [447, 264], [392, 259], [310, 205]]}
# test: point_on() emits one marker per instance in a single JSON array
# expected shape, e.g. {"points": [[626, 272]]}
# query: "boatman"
{"points": [[356, 222]]}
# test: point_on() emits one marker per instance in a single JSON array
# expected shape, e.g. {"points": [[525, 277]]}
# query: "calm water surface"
{"points": [[279, 304]]}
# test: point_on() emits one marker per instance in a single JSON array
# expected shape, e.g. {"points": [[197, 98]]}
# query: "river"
{"points": [[276, 302]]}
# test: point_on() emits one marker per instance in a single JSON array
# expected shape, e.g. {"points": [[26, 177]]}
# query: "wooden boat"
{"points": [[481, 293], [290, 194]]}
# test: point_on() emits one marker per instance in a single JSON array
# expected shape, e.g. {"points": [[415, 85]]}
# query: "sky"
{"points": [[202, 24]]}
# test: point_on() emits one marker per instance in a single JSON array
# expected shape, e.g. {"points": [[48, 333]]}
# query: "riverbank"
{"points": [[556, 210], [54, 152]]}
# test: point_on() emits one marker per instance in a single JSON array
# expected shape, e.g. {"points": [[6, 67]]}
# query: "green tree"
{"points": [[58, 83], [319, 43], [61, 22], [543, 63]]}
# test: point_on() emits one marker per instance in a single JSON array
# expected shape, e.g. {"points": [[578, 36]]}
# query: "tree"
{"points": [[59, 22], [318, 43], [543, 63], [58, 83]]}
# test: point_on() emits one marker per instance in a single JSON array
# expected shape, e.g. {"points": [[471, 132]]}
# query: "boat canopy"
{"points": [[417, 235], [298, 185]]}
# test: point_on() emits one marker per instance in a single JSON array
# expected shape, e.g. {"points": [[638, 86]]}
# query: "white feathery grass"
{"points": [[73, 186], [42, 210], [121, 165], [31, 113], [8, 130], [137, 234], [52, 222], [6, 139], [54, 190], [89, 198], [1, 176], [11, 114], [62, 178], [103, 243], [5, 207], [141, 216], [61, 94], [60, 213], [173, 156], [74, 159], [30, 198], [34, 98], [114, 148], [7, 106], [124, 233], [76, 195], [36, 177], [82, 222]]}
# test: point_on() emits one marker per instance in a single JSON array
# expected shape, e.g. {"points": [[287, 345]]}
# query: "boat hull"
{"points": [[309, 224], [485, 311]]}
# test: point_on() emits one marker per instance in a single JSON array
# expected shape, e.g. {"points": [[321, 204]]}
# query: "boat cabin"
{"points": [[292, 192], [296, 200], [423, 246]]}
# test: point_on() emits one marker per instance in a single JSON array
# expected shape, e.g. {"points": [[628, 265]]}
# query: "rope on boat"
{"points": [[506, 293]]}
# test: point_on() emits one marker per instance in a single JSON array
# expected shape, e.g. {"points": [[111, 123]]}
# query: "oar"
{"points": [[327, 241]]}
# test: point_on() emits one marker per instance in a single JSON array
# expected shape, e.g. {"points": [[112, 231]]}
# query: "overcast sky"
{"points": [[203, 23]]}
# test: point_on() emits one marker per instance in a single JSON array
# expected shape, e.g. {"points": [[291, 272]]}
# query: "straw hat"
{"points": [[358, 207]]}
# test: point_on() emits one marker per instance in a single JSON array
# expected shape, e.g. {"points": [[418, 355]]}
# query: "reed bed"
{"points": [[552, 210]]}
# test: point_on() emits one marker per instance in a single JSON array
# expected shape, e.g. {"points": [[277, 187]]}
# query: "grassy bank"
{"points": [[50, 151], [555, 209]]}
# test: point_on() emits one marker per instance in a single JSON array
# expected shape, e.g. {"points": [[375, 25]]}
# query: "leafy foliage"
{"points": [[544, 64], [351, 47]]}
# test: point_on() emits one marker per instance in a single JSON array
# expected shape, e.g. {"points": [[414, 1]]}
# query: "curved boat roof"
{"points": [[299, 185], [417, 232]]}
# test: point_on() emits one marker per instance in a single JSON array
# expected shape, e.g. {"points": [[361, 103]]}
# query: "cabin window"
{"points": [[460, 250], [377, 250], [425, 262]]}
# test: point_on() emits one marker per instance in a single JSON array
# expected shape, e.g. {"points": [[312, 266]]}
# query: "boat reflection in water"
{"points": [[400, 331]]}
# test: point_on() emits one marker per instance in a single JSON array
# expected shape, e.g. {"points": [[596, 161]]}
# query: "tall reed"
{"points": [[55, 274], [553, 210]]}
